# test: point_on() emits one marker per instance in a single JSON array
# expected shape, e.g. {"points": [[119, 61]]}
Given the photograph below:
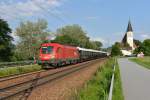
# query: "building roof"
{"points": [[129, 28], [124, 40]]}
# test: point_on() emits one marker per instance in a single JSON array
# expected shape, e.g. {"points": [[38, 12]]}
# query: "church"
{"points": [[127, 42]]}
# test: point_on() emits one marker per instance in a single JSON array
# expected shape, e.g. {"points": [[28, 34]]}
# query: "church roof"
{"points": [[129, 28], [124, 40]]}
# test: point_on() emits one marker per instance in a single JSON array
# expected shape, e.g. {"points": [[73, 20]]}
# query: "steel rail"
{"points": [[6, 78], [43, 78]]}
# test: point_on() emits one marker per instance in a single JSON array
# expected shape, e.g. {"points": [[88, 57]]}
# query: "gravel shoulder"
{"points": [[63, 88]]}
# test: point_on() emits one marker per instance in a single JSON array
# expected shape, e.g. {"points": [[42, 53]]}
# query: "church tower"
{"points": [[130, 35], [128, 38]]}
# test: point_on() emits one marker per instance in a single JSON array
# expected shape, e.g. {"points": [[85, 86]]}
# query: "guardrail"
{"points": [[13, 64], [112, 83]]}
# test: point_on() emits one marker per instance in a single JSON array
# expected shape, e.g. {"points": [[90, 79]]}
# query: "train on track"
{"points": [[56, 55]]}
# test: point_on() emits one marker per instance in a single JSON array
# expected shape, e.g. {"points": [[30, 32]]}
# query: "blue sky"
{"points": [[103, 20]]}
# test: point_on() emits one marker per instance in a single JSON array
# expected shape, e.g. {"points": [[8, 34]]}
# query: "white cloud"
{"points": [[141, 35], [145, 36], [99, 39], [16, 10], [104, 41], [15, 38]]}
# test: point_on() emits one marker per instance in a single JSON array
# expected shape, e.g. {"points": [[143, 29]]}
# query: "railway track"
{"points": [[6, 78], [25, 88]]}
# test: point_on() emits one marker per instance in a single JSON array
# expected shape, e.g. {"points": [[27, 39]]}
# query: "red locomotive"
{"points": [[54, 54]]}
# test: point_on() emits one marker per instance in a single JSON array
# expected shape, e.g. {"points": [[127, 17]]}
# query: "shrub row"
{"points": [[98, 87], [17, 63], [18, 70]]}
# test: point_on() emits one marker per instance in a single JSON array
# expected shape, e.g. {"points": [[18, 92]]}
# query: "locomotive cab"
{"points": [[46, 53]]}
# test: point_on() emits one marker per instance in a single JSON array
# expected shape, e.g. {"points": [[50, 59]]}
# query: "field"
{"points": [[18, 70], [98, 87], [142, 61]]}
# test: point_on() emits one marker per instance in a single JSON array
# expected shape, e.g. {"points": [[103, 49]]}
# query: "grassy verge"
{"points": [[117, 89], [98, 87], [18, 70], [142, 61]]}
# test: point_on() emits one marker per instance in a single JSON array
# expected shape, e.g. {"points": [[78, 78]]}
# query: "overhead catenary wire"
{"points": [[13, 15], [48, 11], [63, 14]]}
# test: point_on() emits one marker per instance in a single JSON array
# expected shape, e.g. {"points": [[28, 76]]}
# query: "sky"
{"points": [[102, 20]]}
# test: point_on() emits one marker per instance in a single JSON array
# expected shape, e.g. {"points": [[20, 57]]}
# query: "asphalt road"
{"points": [[135, 80]]}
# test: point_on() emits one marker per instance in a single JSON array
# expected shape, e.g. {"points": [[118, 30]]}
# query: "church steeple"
{"points": [[127, 41], [129, 28], [128, 37]]}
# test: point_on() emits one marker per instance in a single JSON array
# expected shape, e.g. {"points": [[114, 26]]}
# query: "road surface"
{"points": [[135, 80]]}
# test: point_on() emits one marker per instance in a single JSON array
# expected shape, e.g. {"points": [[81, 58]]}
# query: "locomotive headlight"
{"points": [[52, 56], [46, 57]]}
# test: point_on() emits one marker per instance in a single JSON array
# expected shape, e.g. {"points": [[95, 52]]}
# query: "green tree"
{"points": [[76, 36], [98, 44], [137, 42], [143, 47], [146, 47], [66, 39], [116, 51], [31, 35], [74, 33], [5, 41]]}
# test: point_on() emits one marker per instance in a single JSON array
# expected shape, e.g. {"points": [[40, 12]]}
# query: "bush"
{"points": [[19, 70], [116, 51], [98, 87]]}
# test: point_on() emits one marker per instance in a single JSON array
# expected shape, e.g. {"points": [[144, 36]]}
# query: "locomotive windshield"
{"points": [[47, 50]]}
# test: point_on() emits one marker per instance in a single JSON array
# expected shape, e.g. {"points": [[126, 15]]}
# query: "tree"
{"points": [[5, 41], [98, 44], [143, 47], [74, 35], [116, 51], [137, 42], [66, 39], [31, 35], [146, 47]]}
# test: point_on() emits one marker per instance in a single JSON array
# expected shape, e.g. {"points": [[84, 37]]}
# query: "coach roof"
{"points": [[90, 50]]}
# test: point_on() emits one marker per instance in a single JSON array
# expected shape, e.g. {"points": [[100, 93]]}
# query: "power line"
{"points": [[19, 18], [41, 7], [65, 15]]}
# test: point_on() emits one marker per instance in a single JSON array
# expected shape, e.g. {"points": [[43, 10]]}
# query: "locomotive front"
{"points": [[47, 54]]}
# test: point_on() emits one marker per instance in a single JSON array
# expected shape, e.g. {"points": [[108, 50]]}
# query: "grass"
{"points": [[117, 89], [142, 61], [18, 70], [98, 87]]}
